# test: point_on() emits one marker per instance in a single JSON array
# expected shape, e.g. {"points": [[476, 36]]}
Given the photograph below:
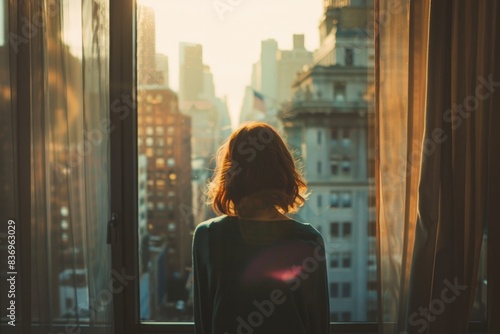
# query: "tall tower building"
{"points": [[191, 75], [344, 37], [146, 47], [163, 138], [327, 122], [290, 64], [273, 76], [162, 69], [269, 69]]}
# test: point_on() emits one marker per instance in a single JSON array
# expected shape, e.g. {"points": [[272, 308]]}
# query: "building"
{"points": [[211, 123], [272, 77], [344, 38], [290, 64], [162, 69], [146, 47], [164, 138], [328, 123], [191, 74]]}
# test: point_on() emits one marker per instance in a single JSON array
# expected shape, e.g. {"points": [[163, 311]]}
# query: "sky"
{"points": [[231, 39]]}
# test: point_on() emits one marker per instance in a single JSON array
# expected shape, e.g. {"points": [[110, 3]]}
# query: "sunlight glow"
{"points": [[231, 41]]}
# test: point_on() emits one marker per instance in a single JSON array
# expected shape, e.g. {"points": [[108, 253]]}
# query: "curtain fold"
{"points": [[71, 274], [437, 98]]}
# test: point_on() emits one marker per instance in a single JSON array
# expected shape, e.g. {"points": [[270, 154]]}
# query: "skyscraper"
{"points": [[191, 74], [327, 123]]}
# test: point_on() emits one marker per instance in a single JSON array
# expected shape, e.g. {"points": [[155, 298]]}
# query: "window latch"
{"points": [[110, 235]]}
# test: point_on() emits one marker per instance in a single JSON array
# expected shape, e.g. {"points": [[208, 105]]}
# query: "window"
{"points": [[346, 290], [372, 228], [334, 230], [334, 290], [176, 81], [346, 137], [340, 94], [334, 134], [334, 199], [334, 167], [334, 260], [346, 167], [346, 199], [349, 57], [346, 260], [346, 230]]}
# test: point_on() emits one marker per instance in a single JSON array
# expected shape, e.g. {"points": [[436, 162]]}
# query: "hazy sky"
{"points": [[231, 43]]}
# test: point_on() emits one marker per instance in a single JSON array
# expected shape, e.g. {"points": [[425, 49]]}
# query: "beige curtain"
{"points": [[438, 164], [71, 262]]}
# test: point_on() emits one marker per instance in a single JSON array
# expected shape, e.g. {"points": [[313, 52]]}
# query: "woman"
{"points": [[256, 270]]}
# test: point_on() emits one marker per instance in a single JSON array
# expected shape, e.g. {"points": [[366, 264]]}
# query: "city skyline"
{"points": [[229, 47]]}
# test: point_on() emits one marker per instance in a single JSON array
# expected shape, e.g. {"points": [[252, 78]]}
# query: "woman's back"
{"points": [[259, 277]]}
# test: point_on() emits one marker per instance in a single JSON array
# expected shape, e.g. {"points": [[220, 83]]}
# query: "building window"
{"points": [[349, 57], [334, 134], [346, 290], [371, 286], [339, 91], [319, 167], [160, 162], [334, 290], [334, 261], [346, 260], [346, 230], [346, 199], [346, 137], [149, 130], [334, 167], [319, 137], [149, 141], [346, 167], [320, 201], [159, 131], [372, 228], [334, 230], [334, 199]]}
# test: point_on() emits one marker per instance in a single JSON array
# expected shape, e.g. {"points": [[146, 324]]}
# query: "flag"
{"points": [[258, 101]]}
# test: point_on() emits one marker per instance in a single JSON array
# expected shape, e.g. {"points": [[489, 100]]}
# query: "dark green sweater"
{"points": [[259, 277]]}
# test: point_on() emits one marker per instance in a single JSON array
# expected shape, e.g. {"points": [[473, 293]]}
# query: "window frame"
{"points": [[123, 157]]}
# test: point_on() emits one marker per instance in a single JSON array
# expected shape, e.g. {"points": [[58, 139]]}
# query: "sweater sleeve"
{"points": [[201, 294], [319, 305]]}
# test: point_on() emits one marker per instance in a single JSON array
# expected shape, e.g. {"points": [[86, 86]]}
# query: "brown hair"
{"points": [[254, 171]]}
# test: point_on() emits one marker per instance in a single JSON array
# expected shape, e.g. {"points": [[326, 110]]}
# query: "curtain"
{"points": [[71, 283], [438, 164]]}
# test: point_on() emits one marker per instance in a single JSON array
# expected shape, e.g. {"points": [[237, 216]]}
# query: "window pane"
{"points": [[70, 208], [193, 89]]}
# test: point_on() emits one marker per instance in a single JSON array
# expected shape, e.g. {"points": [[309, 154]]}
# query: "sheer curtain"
{"points": [[438, 164], [72, 286]]}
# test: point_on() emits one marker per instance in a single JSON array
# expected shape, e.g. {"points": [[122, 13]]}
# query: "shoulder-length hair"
{"points": [[255, 171]]}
